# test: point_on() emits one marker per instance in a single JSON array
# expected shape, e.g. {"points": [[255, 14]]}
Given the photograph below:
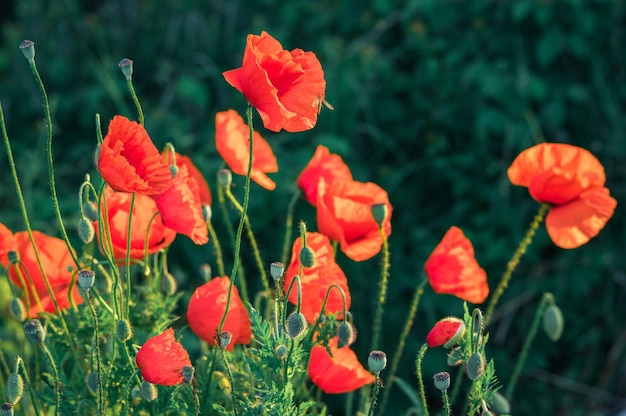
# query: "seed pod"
{"points": [[442, 381], [377, 361], [34, 331], [225, 337], [86, 279], [276, 270], [6, 409]]}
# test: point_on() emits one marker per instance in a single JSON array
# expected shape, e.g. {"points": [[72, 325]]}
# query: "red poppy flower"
{"points": [[129, 162], [316, 280], [286, 88], [571, 179], [446, 331], [322, 165], [232, 139], [161, 359], [194, 172], [181, 209], [206, 307], [452, 268], [57, 263], [118, 207], [342, 373], [344, 214]]}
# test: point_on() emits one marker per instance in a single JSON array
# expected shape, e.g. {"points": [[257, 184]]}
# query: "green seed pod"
{"points": [[28, 49], [168, 284], [281, 351], [225, 338], [442, 381], [18, 310], [6, 409], [500, 404], [86, 231], [188, 372], [149, 391], [123, 330], [34, 331], [276, 270], [296, 325], [377, 361], [126, 65], [553, 322], [307, 257], [475, 366], [346, 334], [379, 212], [14, 388], [224, 178], [92, 382], [86, 279]]}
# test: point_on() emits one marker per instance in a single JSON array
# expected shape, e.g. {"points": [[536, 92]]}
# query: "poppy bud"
{"points": [[455, 357], [475, 366], [296, 325], [96, 155], [280, 351], [34, 331], [377, 361], [14, 256], [307, 257], [90, 210], [346, 334], [553, 322], [447, 332], [188, 372], [205, 271], [6, 409], [379, 212], [276, 270], [123, 330], [149, 391], [168, 284], [18, 311], [500, 404], [442, 381], [86, 279], [207, 212], [173, 170], [126, 65], [225, 338], [28, 49], [92, 382], [224, 178], [85, 230], [14, 388]]}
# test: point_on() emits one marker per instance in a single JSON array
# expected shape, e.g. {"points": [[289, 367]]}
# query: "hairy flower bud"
{"points": [[346, 334], [280, 351], [307, 257], [500, 404], [188, 372], [296, 325], [14, 388], [90, 210], [34, 331], [149, 391], [92, 382], [475, 366], [18, 310], [224, 178], [86, 231], [123, 330], [553, 322]]}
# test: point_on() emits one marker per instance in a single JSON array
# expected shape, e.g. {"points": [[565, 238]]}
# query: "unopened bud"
{"points": [[442, 381], [123, 330], [225, 337], [92, 382], [126, 65], [207, 212], [346, 334], [34, 331], [188, 372], [377, 361], [90, 210], [224, 178], [206, 272], [379, 212], [6, 409], [86, 231], [14, 388], [86, 279], [553, 322], [307, 257], [149, 391], [280, 351], [173, 170], [500, 404], [168, 284], [28, 49], [296, 325], [18, 311], [475, 366], [276, 270]]}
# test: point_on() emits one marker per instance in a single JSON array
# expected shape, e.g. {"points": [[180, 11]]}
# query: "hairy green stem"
{"points": [[131, 89], [374, 394], [94, 315], [230, 378], [446, 403], [420, 378], [57, 381], [219, 260], [20, 363], [382, 294]]}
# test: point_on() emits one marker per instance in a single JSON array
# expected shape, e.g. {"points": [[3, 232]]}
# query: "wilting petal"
{"points": [[161, 359]]}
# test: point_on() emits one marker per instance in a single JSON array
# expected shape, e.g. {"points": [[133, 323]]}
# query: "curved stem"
{"points": [[512, 264], [420, 378], [128, 398], [129, 82], [20, 363]]}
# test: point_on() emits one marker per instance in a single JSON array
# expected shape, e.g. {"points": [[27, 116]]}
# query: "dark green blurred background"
{"points": [[433, 100]]}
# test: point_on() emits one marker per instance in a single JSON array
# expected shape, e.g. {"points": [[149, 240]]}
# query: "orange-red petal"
{"points": [[232, 139], [128, 160], [325, 165], [574, 224], [161, 359], [194, 172], [445, 330]]}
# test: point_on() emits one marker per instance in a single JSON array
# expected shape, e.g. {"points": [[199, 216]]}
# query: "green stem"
{"points": [[128, 392], [57, 382], [374, 395], [129, 82], [546, 300], [20, 363], [512, 264], [289, 227], [230, 378], [94, 316], [420, 378], [218, 252], [382, 294], [456, 388], [446, 403], [128, 241], [401, 343]]}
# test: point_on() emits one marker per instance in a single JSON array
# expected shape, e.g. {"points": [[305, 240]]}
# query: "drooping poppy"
{"points": [[342, 373], [453, 270], [128, 160], [446, 332], [344, 214], [325, 165], [286, 88], [145, 208], [571, 180], [161, 359], [181, 208], [207, 306], [316, 280], [232, 139], [203, 186], [57, 264]]}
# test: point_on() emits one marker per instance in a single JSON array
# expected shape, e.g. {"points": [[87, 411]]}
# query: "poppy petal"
{"points": [[325, 165], [161, 359]]}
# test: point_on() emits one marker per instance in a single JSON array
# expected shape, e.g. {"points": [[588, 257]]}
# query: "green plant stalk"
{"points": [[94, 315], [194, 393], [382, 294], [253, 242], [29, 230], [374, 394], [128, 241], [128, 391], [57, 381], [219, 260], [244, 212], [547, 299], [456, 388], [420, 378], [446, 403], [207, 387], [401, 343], [131, 89], [230, 378], [20, 363], [26, 287], [289, 227], [512, 264]]}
